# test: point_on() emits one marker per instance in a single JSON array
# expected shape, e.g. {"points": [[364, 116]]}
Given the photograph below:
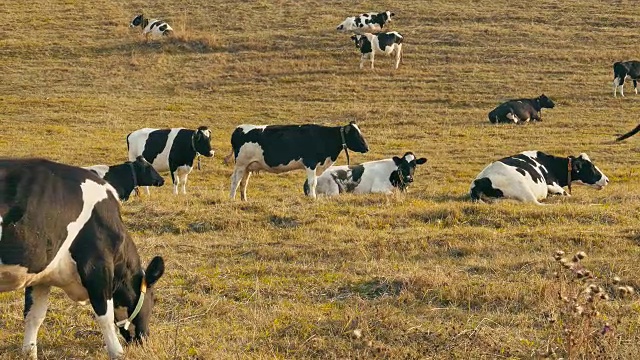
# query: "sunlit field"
{"points": [[423, 274]]}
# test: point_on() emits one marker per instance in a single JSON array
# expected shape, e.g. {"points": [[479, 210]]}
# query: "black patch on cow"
{"points": [[163, 27], [154, 24], [356, 172], [156, 142], [524, 173], [28, 300], [388, 39], [523, 109], [358, 21], [484, 187], [523, 163]]}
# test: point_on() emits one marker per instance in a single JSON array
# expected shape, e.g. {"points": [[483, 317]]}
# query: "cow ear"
{"points": [[421, 161], [154, 270], [397, 160]]}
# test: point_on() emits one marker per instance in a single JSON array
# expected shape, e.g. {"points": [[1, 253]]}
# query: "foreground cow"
{"points": [[368, 22], [383, 43], [61, 226], [521, 110], [282, 148], [621, 70], [171, 150], [151, 27], [128, 176], [532, 175], [382, 176]]}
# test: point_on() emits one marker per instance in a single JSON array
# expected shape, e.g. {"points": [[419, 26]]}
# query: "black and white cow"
{"points": [[128, 176], [621, 70], [61, 226], [532, 176], [367, 22], [381, 176], [521, 110], [171, 150], [282, 148], [383, 43], [152, 27]]}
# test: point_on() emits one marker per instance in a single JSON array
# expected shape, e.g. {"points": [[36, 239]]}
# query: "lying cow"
{"points": [[521, 110], [621, 70], [282, 148], [382, 176], [151, 27], [128, 176], [171, 150], [532, 176], [61, 226], [383, 43], [368, 22]]}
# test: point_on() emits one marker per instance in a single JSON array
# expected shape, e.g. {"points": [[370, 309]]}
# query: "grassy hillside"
{"points": [[425, 274]]}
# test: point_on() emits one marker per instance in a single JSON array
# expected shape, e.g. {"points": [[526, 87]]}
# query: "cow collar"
{"points": [[193, 146], [135, 179], [126, 322], [344, 145], [569, 175]]}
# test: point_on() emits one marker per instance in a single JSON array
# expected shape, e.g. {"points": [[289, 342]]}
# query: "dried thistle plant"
{"points": [[587, 311]]}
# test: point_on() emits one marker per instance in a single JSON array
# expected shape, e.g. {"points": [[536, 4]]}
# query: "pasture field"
{"points": [[425, 274]]}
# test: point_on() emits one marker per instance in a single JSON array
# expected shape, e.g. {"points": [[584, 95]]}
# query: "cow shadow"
{"points": [[168, 45]]}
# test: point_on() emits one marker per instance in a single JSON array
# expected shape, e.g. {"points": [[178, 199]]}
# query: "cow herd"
{"points": [[60, 225]]}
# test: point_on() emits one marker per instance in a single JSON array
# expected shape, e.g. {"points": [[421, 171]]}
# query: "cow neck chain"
{"points": [[193, 146], [143, 290], [569, 175], [344, 145]]}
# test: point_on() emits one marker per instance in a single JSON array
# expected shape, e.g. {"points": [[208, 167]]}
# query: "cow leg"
{"points": [[635, 86], [182, 172], [36, 302], [243, 185], [312, 181], [556, 189], [363, 58], [146, 190], [616, 83], [372, 57], [398, 55], [237, 175], [99, 283]]}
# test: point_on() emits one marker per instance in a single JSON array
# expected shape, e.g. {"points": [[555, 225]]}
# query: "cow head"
{"points": [[403, 176], [386, 16], [128, 296], [583, 172], [145, 174], [353, 138], [137, 21], [201, 141], [545, 102], [358, 40]]}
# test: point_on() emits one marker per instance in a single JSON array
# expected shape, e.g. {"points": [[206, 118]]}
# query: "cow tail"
{"points": [[229, 158], [629, 134], [129, 134], [306, 188]]}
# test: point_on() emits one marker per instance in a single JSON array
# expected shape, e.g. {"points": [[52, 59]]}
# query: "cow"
{"points": [[621, 70], [282, 148], [367, 22], [521, 110], [128, 176], [171, 150], [532, 176], [153, 27], [381, 176], [61, 226], [383, 43]]}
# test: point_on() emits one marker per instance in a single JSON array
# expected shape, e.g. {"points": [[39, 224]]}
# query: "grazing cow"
{"points": [[382, 176], [152, 27], [61, 226], [282, 148], [629, 134], [521, 110], [171, 150], [621, 70], [367, 22], [532, 175], [383, 43], [128, 176]]}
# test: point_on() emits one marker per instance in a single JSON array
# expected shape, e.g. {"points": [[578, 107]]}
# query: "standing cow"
{"points": [[622, 70], [128, 176], [532, 176], [282, 148], [521, 110], [171, 150], [61, 226], [383, 43], [381, 176]]}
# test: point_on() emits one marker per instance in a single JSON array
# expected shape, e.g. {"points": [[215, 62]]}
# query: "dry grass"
{"points": [[420, 275]]}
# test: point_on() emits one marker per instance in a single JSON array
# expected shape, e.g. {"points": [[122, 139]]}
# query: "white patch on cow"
{"points": [[531, 153], [33, 320], [375, 179], [409, 158], [584, 156], [248, 127], [207, 133], [155, 31], [101, 170], [180, 176], [512, 183], [355, 126], [108, 328], [616, 83]]}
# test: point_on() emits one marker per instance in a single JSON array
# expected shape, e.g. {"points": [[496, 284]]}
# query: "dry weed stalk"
{"points": [[588, 311]]}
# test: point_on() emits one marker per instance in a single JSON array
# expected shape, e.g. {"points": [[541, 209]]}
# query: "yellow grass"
{"points": [[425, 274]]}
